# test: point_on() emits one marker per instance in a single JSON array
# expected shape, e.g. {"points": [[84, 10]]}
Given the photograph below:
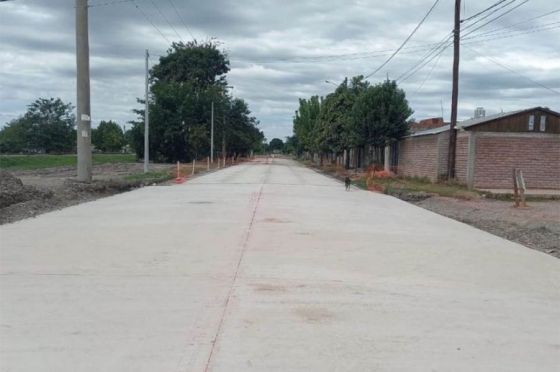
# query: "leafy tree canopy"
{"points": [[46, 127], [356, 114], [276, 144], [108, 137], [185, 84]]}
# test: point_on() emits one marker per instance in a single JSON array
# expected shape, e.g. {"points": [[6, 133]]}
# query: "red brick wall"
{"points": [[462, 157], [443, 154], [417, 157], [537, 155]]}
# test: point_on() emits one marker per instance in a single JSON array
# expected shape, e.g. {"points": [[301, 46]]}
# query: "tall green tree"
{"points": [[185, 82], [276, 144], [108, 137], [305, 121], [381, 113], [47, 126], [336, 131], [291, 145]]}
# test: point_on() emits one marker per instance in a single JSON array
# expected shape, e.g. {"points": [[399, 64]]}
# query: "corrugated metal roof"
{"points": [[426, 132], [472, 122]]}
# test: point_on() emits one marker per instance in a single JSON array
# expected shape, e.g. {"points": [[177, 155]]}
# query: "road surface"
{"points": [[269, 266]]}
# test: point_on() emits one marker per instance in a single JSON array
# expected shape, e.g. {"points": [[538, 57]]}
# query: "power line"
{"points": [[345, 57], [522, 22], [166, 20], [430, 72], [443, 44], [432, 47], [95, 5], [430, 56], [423, 63], [150, 21], [488, 15], [182, 20], [496, 18], [516, 34], [528, 30], [483, 11], [514, 72], [405, 41]]}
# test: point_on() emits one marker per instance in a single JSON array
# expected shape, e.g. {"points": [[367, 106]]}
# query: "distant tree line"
{"points": [[184, 84], [352, 125], [49, 127]]}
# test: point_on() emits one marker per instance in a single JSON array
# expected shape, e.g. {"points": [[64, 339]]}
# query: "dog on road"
{"points": [[347, 183]]}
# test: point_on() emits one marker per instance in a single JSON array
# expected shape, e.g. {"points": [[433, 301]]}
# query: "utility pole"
{"points": [[224, 137], [83, 109], [147, 116], [212, 134], [454, 93]]}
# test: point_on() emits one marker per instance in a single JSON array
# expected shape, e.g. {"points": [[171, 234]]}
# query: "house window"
{"points": [[532, 122], [542, 127]]}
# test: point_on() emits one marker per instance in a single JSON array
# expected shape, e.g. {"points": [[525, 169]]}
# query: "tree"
{"points": [[305, 121], [200, 64], [382, 113], [336, 131], [291, 145], [108, 137], [46, 127], [15, 136], [276, 144], [355, 116], [185, 83]]}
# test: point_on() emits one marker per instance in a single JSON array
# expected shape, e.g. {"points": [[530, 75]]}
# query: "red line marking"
{"points": [[230, 292]]}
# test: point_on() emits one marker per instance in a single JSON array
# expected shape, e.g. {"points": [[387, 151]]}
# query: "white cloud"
{"points": [[279, 53]]}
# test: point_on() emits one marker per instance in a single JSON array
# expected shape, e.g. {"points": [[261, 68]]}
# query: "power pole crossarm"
{"points": [[455, 92], [147, 116], [83, 141]]}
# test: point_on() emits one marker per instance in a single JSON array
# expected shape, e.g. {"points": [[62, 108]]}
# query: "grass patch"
{"points": [[415, 185], [30, 162], [400, 186], [150, 177]]}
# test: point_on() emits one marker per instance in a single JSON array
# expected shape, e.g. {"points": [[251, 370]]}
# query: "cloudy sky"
{"points": [[284, 50]]}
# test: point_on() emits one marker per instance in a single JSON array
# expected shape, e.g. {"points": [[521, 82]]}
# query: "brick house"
{"points": [[488, 148]]}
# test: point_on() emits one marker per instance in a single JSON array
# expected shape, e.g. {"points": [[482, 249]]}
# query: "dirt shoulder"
{"points": [[536, 227], [28, 193]]}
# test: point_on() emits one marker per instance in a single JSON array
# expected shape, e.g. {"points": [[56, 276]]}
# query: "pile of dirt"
{"points": [[19, 201], [13, 191]]}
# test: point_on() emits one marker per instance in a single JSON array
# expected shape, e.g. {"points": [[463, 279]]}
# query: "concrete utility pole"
{"points": [[83, 100], [224, 137], [147, 117], [455, 92], [212, 135]]}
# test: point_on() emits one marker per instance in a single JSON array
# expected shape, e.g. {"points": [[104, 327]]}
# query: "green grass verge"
{"points": [[30, 162], [414, 185], [150, 177]]}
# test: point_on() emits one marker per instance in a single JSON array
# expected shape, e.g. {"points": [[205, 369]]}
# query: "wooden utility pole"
{"points": [[83, 93], [455, 92]]}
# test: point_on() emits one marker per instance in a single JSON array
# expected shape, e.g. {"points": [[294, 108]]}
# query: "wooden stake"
{"points": [[515, 189], [522, 188]]}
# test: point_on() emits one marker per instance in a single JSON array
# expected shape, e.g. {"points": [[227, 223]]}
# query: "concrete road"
{"points": [[270, 267]]}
